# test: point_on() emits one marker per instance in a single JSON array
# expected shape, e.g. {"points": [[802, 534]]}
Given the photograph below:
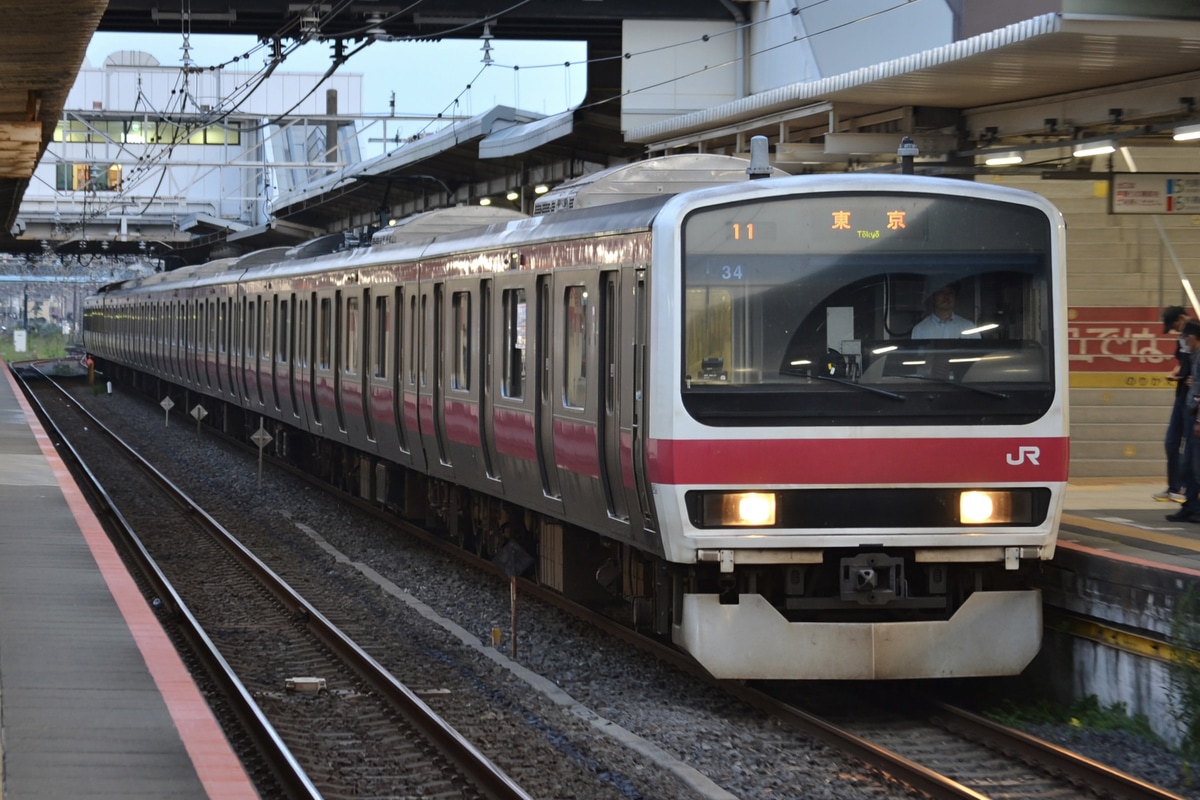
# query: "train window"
{"points": [[575, 347], [514, 344], [425, 311], [460, 378], [877, 308], [212, 328], [302, 343], [251, 329], [412, 340], [267, 331], [325, 333], [222, 328], [282, 342], [379, 356], [353, 331]]}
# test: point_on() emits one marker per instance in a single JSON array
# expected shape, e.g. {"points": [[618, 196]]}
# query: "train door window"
{"points": [[575, 347], [325, 334], [353, 331], [460, 377], [412, 340], [399, 353], [222, 328], [212, 327], [282, 342], [610, 338], [251, 329], [379, 354], [514, 344], [267, 330], [302, 334], [237, 323], [424, 315]]}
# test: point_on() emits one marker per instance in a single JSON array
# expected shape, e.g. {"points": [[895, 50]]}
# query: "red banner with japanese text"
{"points": [[1119, 347]]}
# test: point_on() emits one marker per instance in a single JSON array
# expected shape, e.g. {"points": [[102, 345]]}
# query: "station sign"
{"points": [[1155, 193]]}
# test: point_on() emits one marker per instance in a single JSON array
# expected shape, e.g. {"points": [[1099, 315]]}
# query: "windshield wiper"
{"points": [[966, 386], [862, 386]]}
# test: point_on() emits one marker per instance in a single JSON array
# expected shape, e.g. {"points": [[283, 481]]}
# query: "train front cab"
{"points": [[856, 501]]}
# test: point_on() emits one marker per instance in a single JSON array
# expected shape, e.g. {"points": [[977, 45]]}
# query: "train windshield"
{"points": [[886, 309]]}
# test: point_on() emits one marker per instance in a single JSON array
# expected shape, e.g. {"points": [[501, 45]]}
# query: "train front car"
{"points": [[857, 434]]}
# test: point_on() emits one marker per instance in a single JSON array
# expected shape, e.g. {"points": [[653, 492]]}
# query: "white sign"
{"points": [[1155, 193], [261, 438], [19, 341]]}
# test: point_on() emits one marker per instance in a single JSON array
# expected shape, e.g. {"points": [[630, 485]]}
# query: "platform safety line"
{"points": [[1132, 532], [218, 769]]}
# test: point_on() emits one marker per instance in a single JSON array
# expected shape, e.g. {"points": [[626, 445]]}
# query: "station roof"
{"points": [[41, 48], [531, 20], [1079, 68]]}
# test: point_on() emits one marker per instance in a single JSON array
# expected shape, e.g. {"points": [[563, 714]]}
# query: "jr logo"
{"points": [[1024, 453]]}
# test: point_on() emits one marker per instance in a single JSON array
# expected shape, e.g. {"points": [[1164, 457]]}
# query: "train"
{"points": [[703, 402]]}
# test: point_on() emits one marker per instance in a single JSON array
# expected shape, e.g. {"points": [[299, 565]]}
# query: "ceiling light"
{"points": [[541, 188], [1185, 133], [513, 194], [1095, 149], [485, 201], [1003, 159]]}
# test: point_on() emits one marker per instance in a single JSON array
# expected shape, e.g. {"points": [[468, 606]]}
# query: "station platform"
{"points": [[94, 700], [1121, 520]]}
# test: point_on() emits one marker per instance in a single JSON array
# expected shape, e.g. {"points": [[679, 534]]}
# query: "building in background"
{"points": [[146, 158]]}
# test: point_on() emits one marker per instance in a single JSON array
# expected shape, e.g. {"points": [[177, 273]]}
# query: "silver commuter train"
{"points": [[714, 405]]}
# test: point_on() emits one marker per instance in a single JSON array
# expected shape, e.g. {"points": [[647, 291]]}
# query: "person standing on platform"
{"points": [[1190, 510], [1174, 319]]}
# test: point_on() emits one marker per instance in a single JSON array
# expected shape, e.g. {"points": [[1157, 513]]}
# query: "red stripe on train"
{"points": [[858, 461]]}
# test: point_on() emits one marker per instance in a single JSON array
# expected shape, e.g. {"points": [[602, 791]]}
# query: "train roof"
{"points": [[653, 177], [439, 221]]}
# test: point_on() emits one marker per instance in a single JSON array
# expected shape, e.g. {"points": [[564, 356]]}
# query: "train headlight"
{"points": [[988, 508], [742, 509]]}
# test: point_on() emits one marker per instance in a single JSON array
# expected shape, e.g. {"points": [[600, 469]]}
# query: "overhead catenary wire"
{"points": [[238, 96]]}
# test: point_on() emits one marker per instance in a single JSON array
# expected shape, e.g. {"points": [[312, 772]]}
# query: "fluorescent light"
{"points": [[1185, 133], [1003, 159], [513, 194], [541, 188], [885, 349], [1095, 149], [485, 201]]}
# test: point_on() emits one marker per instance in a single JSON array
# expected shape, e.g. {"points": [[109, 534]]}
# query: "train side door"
{"points": [[317, 353], [610, 414], [401, 365], [287, 350], [221, 357], [237, 346], [439, 371], [637, 407], [544, 409], [369, 357], [484, 349], [338, 357]]}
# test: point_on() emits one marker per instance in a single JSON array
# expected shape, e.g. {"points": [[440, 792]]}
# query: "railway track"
{"points": [[324, 716], [943, 751], [936, 751]]}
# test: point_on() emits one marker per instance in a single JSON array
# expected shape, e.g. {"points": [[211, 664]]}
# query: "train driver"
{"points": [[943, 323]]}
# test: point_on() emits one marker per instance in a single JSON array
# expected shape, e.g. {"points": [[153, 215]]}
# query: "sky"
{"points": [[426, 77]]}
